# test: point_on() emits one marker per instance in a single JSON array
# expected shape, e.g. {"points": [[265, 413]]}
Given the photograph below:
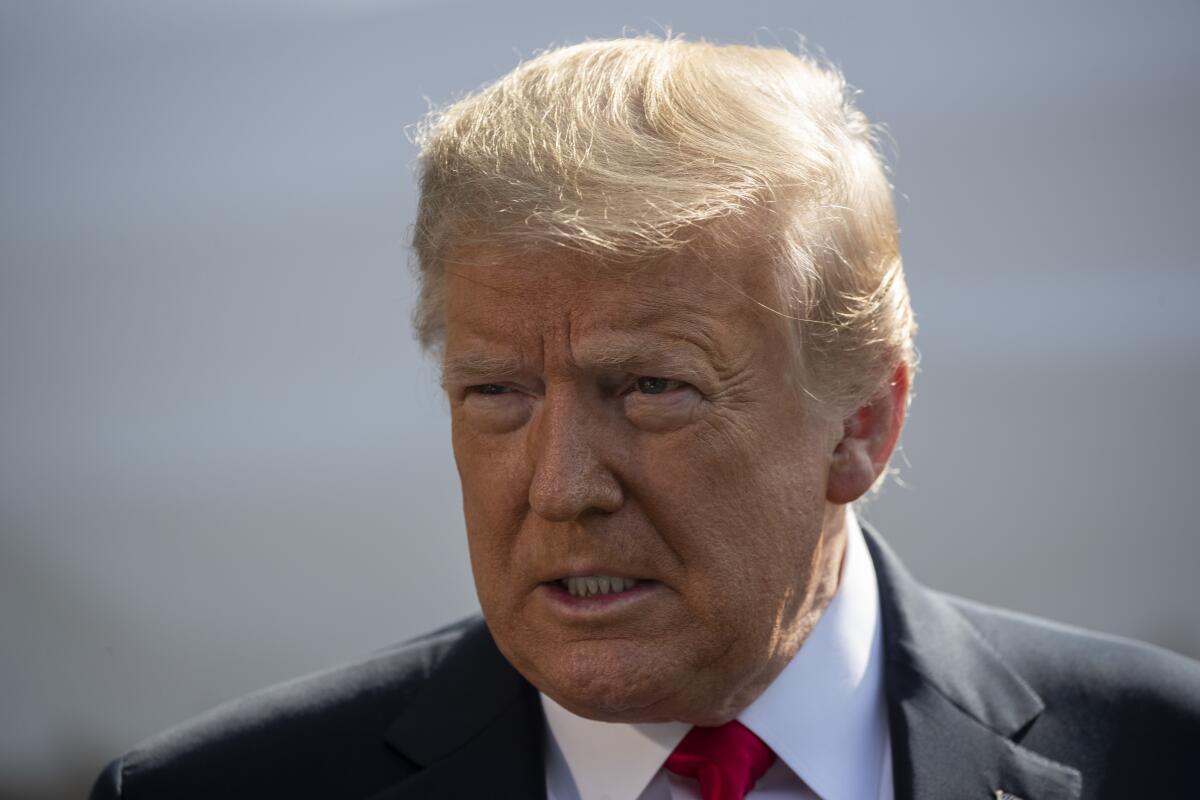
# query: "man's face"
{"points": [[641, 424]]}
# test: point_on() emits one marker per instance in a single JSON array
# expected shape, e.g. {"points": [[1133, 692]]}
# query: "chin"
{"points": [[611, 681]]}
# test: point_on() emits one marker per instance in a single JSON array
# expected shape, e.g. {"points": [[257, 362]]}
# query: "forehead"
{"points": [[503, 298]]}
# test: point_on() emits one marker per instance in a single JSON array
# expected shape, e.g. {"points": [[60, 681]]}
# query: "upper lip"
{"points": [[585, 572]]}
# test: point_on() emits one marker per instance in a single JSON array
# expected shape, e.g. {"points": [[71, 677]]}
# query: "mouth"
{"points": [[597, 596], [596, 585]]}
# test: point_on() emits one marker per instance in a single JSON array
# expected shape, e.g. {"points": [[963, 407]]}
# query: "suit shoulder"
{"points": [[300, 738], [1125, 713], [1063, 661]]}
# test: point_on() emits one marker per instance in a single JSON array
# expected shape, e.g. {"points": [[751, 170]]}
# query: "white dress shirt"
{"points": [[825, 716]]}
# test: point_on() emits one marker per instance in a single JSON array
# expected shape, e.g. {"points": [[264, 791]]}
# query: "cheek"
{"points": [[491, 466], [495, 490], [713, 470], [742, 510]]}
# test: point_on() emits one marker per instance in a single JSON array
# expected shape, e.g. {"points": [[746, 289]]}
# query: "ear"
{"points": [[869, 436]]}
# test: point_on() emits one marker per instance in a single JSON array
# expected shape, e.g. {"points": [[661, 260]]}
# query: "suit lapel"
{"points": [[474, 728], [954, 706]]}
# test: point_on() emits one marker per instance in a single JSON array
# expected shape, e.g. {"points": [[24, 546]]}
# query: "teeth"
{"points": [[597, 584]]}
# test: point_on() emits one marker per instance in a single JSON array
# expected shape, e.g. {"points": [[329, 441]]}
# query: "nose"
{"points": [[570, 477]]}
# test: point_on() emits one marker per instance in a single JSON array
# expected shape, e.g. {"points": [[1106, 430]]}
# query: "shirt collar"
{"points": [[584, 751], [824, 715]]}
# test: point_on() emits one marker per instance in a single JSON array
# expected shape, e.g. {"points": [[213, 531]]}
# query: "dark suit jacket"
{"points": [[980, 701]]}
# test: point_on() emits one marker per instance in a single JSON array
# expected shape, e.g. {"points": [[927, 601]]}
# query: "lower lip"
{"points": [[597, 603]]}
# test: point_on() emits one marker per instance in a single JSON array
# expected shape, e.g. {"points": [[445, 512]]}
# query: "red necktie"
{"points": [[727, 760]]}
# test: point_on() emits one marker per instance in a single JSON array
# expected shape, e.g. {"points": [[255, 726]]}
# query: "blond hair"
{"points": [[633, 149]]}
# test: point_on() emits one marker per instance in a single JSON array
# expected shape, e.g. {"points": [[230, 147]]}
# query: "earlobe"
{"points": [[869, 436]]}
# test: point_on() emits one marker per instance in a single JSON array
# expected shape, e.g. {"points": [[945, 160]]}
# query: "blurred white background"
{"points": [[223, 461]]}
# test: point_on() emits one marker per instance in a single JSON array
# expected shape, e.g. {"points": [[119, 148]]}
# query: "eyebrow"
{"points": [[468, 368], [639, 354], [675, 357]]}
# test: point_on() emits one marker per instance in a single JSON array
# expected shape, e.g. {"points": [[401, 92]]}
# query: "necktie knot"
{"points": [[727, 760]]}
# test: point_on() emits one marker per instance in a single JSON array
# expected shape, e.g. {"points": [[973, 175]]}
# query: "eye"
{"points": [[488, 389], [648, 384], [660, 405], [493, 408]]}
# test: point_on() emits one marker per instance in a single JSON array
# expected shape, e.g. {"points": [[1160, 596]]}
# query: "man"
{"points": [[664, 283]]}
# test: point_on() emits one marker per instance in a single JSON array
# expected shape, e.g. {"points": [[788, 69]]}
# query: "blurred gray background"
{"points": [[223, 462]]}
